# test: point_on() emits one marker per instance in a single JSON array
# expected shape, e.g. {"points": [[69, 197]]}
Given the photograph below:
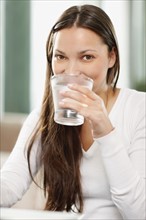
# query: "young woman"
{"points": [[97, 168]]}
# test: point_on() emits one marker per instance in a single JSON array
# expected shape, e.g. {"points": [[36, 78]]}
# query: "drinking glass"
{"points": [[59, 83]]}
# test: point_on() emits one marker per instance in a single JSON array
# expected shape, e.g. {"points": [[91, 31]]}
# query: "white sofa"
{"points": [[10, 125]]}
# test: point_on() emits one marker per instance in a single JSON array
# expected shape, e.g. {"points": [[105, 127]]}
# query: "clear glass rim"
{"points": [[67, 74]]}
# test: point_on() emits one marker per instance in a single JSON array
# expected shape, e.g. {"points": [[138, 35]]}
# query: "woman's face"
{"points": [[78, 50]]}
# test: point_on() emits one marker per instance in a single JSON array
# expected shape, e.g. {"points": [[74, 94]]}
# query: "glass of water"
{"points": [[59, 83]]}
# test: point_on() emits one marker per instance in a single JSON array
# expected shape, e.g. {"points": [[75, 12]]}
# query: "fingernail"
{"points": [[71, 85], [62, 92], [61, 103], [85, 105]]}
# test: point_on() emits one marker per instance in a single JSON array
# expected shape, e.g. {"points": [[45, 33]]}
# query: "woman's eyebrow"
{"points": [[59, 51], [88, 50], [80, 52]]}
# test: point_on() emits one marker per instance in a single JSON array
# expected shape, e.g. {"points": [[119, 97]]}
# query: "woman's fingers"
{"points": [[76, 96], [80, 97], [84, 90], [90, 105], [80, 94], [73, 104]]}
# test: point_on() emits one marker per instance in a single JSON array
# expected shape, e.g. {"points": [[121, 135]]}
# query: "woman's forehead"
{"points": [[75, 35]]}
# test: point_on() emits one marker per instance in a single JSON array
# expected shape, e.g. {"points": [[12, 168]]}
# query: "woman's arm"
{"points": [[15, 178], [126, 170]]}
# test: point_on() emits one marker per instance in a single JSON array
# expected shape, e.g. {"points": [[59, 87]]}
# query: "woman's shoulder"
{"points": [[35, 112], [132, 103], [129, 102], [132, 92], [132, 96], [33, 118]]}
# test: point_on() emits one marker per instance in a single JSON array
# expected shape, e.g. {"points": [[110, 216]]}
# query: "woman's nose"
{"points": [[72, 68]]}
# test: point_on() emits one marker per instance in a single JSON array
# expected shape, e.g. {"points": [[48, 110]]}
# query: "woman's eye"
{"points": [[59, 57], [88, 57]]}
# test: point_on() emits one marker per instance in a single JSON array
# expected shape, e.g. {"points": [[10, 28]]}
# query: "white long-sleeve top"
{"points": [[112, 170]]}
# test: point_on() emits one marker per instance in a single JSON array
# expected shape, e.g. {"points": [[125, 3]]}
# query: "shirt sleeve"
{"points": [[126, 168], [15, 178]]}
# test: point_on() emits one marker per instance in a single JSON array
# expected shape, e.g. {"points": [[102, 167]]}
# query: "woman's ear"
{"points": [[112, 57]]}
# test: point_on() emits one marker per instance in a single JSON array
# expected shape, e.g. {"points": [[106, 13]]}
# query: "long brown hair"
{"points": [[61, 151]]}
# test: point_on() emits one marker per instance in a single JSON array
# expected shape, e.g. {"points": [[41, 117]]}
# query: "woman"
{"points": [[96, 168]]}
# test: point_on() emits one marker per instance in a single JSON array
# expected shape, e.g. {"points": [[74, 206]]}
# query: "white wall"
{"points": [[118, 11]]}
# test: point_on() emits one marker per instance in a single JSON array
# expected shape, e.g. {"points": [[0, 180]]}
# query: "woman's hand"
{"points": [[90, 105]]}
